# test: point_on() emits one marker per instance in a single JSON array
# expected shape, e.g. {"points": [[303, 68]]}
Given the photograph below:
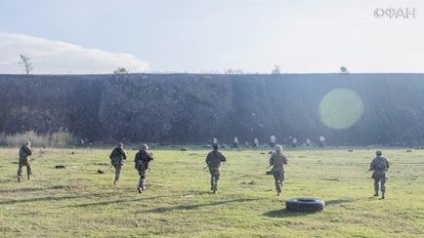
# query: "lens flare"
{"points": [[341, 108]]}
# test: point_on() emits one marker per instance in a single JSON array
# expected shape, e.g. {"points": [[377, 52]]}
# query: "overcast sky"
{"points": [[212, 36]]}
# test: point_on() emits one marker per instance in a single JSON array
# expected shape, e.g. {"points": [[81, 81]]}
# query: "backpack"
{"points": [[380, 164], [117, 160], [116, 157], [142, 160]]}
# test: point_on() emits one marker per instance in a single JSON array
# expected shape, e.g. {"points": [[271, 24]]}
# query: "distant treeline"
{"points": [[195, 108]]}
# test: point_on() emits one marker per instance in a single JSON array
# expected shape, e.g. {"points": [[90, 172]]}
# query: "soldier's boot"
{"points": [[29, 176], [116, 180], [139, 189], [19, 179], [376, 194], [382, 195], [215, 187], [142, 185]]}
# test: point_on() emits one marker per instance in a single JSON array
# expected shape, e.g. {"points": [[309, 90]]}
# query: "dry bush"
{"points": [[2, 138], [62, 139], [56, 139]]}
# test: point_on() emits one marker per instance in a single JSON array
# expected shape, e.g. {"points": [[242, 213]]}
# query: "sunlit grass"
{"points": [[78, 201]]}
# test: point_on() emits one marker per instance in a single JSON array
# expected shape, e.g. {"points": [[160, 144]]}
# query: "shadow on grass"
{"points": [[196, 206], [285, 213], [53, 198], [20, 190], [288, 213], [115, 201], [101, 203], [337, 202], [39, 199]]}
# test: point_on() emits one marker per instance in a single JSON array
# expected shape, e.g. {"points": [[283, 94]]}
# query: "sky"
{"points": [[212, 36]]}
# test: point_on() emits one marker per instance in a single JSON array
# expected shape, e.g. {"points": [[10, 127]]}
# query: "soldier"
{"points": [[142, 160], [308, 142], [236, 142], [272, 141], [379, 165], [277, 161], [117, 159], [256, 142], [321, 141], [215, 141], [24, 160], [213, 160], [294, 142]]}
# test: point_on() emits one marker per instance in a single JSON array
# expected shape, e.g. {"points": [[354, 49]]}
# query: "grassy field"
{"points": [[79, 202]]}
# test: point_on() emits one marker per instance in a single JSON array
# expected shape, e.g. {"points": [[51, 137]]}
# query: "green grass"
{"points": [[79, 202]]}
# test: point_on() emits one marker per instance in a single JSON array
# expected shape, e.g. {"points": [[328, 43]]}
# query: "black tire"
{"points": [[305, 205]]}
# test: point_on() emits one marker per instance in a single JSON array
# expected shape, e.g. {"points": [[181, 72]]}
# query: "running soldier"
{"points": [[255, 142], [379, 165], [213, 160], [236, 142], [277, 161], [24, 160], [142, 160], [117, 159], [272, 140]]}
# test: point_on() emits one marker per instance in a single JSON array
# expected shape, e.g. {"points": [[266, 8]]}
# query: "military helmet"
{"points": [[378, 152], [279, 148], [144, 147]]}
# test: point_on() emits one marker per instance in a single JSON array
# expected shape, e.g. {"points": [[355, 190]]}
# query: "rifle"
{"points": [[373, 174], [269, 170]]}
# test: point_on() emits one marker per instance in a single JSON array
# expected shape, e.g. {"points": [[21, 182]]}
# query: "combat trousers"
{"points": [[141, 183], [215, 173], [27, 164], [118, 169], [279, 179], [380, 182]]}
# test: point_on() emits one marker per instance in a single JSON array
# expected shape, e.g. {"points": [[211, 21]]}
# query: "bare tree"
{"points": [[121, 70], [343, 70], [234, 71], [26, 62], [276, 70]]}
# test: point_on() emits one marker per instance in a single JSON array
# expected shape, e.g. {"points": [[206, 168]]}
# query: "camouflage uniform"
{"points": [[213, 160], [117, 159], [24, 160], [277, 161], [379, 165], [142, 160]]}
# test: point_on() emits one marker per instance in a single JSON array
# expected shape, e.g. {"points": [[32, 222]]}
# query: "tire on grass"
{"points": [[305, 205]]}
